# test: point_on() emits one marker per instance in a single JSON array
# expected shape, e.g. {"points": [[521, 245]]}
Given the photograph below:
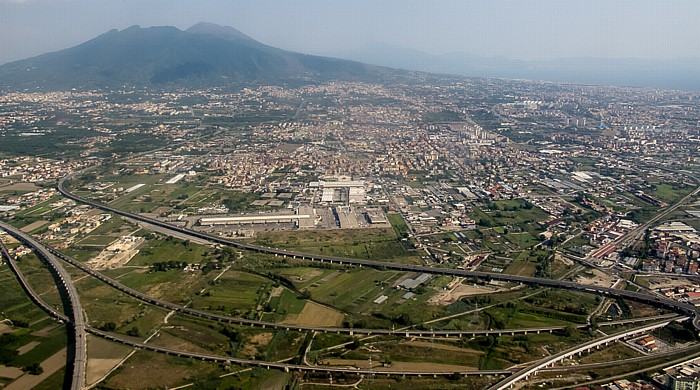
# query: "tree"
{"points": [[356, 343], [571, 331], [33, 369], [134, 332]]}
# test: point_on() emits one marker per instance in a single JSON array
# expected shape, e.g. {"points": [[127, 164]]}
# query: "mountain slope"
{"points": [[203, 55]]}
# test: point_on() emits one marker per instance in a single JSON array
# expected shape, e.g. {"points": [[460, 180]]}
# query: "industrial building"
{"points": [[684, 376], [337, 191], [255, 219], [376, 217]]}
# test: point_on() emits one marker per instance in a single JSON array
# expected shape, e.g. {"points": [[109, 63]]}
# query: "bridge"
{"points": [[287, 367], [551, 360], [75, 315], [681, 307]]}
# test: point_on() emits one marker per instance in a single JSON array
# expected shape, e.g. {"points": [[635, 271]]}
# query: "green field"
{"points": [[146, 370], [32, 324], [398, 224], [373, 244], [163, 249], [671, 193], [96, 240], [354, 290], [234, 292]]}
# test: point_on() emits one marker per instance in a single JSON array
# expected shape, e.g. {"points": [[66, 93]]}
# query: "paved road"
{"points": [[538, 365], [75, 312], [216, 358], [225, 359], [681, 307], [272, 325], [636, 233]]}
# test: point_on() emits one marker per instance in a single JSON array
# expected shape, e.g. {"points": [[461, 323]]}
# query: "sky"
{"points": [[516, 29]]}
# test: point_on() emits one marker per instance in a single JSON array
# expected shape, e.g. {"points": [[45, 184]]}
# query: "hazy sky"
{"points": [[516, 29]]}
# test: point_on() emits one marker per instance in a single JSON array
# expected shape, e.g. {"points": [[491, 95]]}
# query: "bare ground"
{"points": [[425, 344], [27, 347], [50, 366], [314, 314], [103, 356], [255, 344], [446, 297], [599, 278], [10, 372], [28, 187], [399, 366], [33, 226]]}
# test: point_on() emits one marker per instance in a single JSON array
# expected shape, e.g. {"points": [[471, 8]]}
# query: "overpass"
{"points": [[244, 362], [551, 360], [680, 307], [75, 311], [287, 367], [301, 328], [26, 238]]}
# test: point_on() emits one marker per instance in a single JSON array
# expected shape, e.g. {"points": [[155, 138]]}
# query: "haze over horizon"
{"points": [[532, 32]]}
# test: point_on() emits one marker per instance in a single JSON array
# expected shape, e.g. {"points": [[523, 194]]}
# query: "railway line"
{"points": [[272, 325], [301, 328], [271, 365], [533, 368]]}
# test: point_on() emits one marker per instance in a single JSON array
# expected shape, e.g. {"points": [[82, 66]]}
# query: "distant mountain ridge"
{"points": [[679, 73], [203, 55]]}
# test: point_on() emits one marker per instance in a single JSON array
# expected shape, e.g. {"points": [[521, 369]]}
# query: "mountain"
{"points": [[678, 73], [203, 55]]}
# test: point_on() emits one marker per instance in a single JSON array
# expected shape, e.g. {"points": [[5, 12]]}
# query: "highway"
{"points": [[28, 288], [217, 358], [272, 325], [245, 362], [550, 360], [25, 237], [681, 307], [351, 331], [75, 311], [287, 366], [636, 233]]}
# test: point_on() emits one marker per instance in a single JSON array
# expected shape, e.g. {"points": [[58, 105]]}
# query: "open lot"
{"points": [[314, 314], [146, 370], [379, 244]]}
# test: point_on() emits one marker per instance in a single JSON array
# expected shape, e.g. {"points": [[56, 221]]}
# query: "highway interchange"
{"points": [[80, 360], [75, 315], [681, 307]]}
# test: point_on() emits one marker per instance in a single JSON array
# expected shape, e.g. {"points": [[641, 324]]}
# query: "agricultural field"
{"points": [[160, 248], [372, 244], [670, 192], [233, 292], [31, 338], [145, 370]]}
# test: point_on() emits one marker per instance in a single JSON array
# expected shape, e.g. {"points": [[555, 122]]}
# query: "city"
{"points": [[388, 229]]}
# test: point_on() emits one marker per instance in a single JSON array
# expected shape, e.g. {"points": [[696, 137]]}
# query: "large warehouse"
{"points": [[253, 219]]}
